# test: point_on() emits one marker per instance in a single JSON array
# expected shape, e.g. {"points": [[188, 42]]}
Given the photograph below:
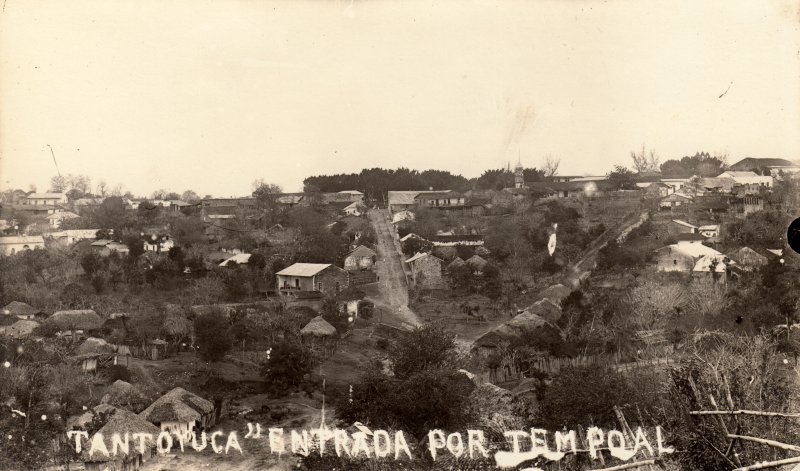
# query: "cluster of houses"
{"points": [[350, 202], [691, 254], [178, 412], [301, 279]]}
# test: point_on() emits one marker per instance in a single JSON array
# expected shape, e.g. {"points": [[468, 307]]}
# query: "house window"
{"points": [[297, 282], [319, 286], [674, 262]]}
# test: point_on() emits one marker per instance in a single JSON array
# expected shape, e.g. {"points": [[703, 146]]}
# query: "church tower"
{"points": [[519, 175]]}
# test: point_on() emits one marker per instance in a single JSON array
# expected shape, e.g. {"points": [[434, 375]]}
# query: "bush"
{"points": [[213, 336], [286, 369]]}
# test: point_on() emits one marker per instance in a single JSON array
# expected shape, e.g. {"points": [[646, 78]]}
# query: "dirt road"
{"points": [[391, 291]]}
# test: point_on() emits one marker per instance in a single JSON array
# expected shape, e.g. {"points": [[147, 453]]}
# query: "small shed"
{"points": [[158, 349], [93, 351], [180, 411], [321, 336], [122, 422]]}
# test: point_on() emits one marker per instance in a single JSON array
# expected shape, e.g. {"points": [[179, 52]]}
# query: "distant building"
{"points": [[473, 240], [353, 195], [13, 244], [70, 236], [354, 209], [45, 199], [748, 259], [658, 189], [55, 219], [678, 226], [765, 166], [361, 258], [674, 201], [681, 257], [322, 277], [426, 271], [401, 200], [748, 178]]}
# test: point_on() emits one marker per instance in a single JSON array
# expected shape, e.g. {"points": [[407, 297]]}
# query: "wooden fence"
{"points": [[552, 365]]}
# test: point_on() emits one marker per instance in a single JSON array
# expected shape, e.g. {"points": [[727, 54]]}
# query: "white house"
{"points": [[748, 178], [13, 244], [157, 245], [56, 218], [70, 236], [682, 257], [354, 209], [403, 215], [45, 199]]}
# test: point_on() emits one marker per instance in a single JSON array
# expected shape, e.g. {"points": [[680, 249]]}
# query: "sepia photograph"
{"points": [[245, 235]]}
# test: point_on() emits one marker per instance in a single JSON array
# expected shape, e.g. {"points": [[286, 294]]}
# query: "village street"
{"points": [[390, 294]]}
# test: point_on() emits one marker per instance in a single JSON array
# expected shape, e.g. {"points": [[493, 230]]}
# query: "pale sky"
{"points": [[209, 95]]}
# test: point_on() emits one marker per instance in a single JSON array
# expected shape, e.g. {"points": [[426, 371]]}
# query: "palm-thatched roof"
{"points": [[169, 411], [80, 319], [556, 293], [476, 262], [84, 420], [457, 262], [93, 347], [18, 308], [178, 405], [21, 328], [120, 387], [318, 327], [513, 329], [120, 421]]}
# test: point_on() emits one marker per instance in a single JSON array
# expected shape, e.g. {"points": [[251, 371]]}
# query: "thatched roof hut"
{"points": [[79, 319], [318, 327], [20, 329], [178, 405], [93, 347], [120, 421], [457, 262], [119, 388], [513, 329], [20, 309]]}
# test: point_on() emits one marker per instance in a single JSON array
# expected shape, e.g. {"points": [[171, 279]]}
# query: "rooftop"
{"points": [[303, 269], [318, 327], [22, 240]]}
